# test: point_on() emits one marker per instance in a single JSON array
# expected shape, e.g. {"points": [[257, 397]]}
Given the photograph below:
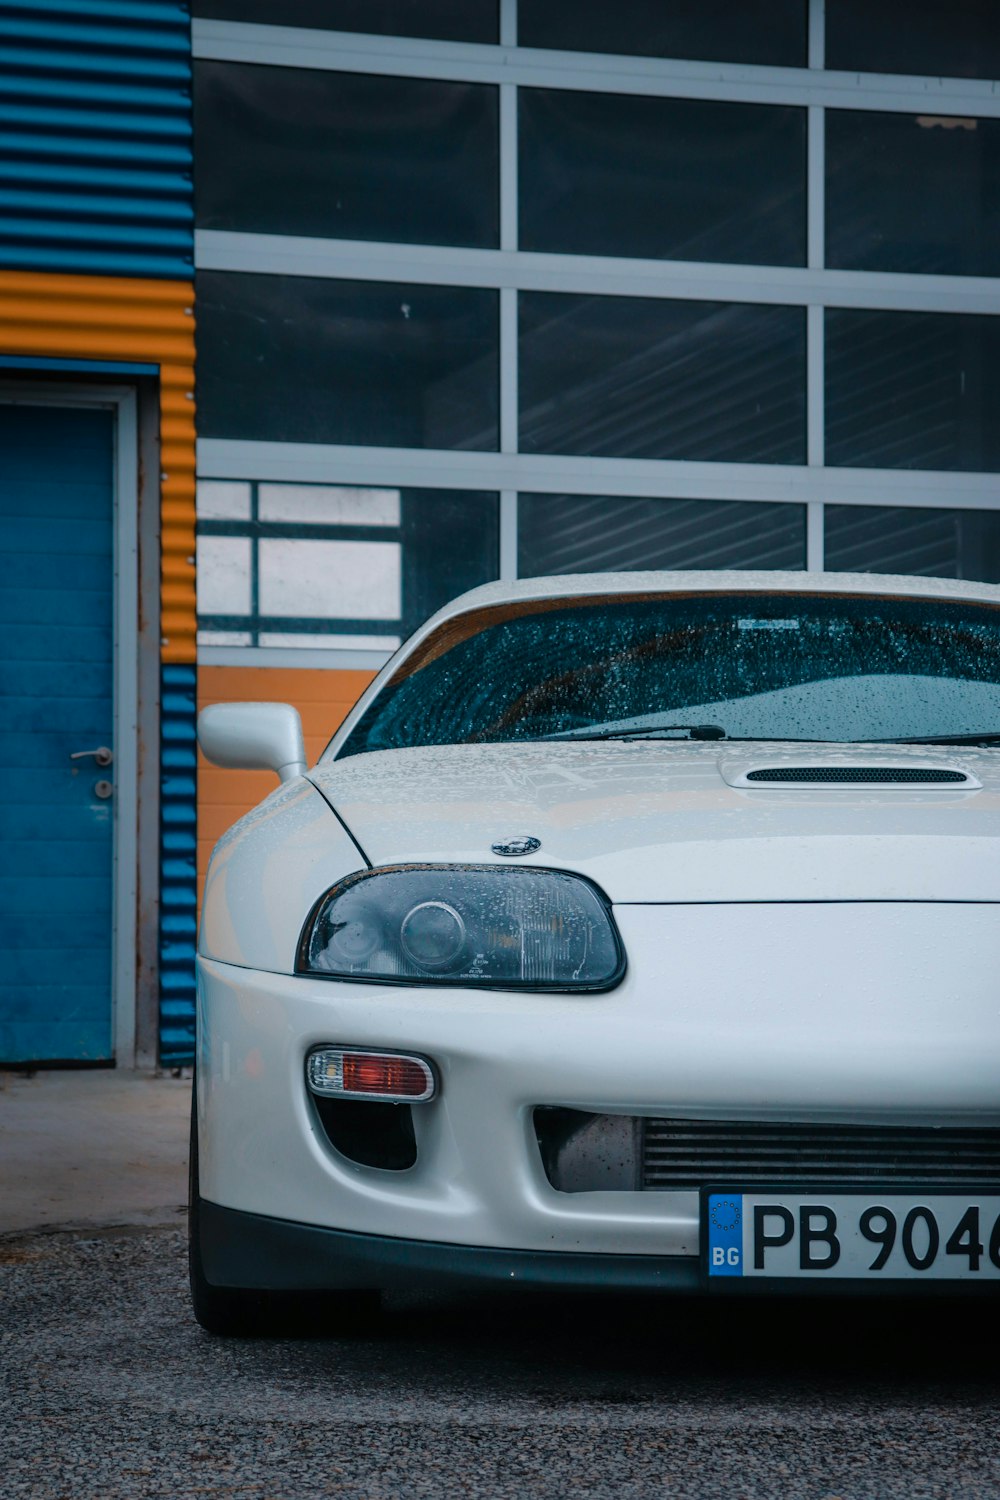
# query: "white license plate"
{"points": [[867, 1236]]}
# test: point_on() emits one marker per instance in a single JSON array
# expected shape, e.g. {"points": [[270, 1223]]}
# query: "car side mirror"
{"points": [[253, 737]]}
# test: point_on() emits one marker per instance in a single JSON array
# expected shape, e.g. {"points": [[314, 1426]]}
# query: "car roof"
{"points": [[694, 581]]}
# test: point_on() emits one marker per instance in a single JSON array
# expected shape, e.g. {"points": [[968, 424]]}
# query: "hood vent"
{"points": [[863, 775]]}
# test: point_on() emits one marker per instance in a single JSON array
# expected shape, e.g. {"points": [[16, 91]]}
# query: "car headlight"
{"points": [[465, 924]]}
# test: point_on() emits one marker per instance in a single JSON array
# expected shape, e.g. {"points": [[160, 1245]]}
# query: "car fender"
{"points": [[267, 873]]}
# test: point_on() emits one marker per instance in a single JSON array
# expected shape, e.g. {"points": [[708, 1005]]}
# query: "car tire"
{"points": [[243, 1312]]}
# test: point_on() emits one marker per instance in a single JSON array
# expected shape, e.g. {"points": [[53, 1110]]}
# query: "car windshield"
{"points": [[754, 666]]}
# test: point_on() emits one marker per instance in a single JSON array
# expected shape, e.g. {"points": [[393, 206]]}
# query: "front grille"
{"points": [[859, 775], [696, 1153]]}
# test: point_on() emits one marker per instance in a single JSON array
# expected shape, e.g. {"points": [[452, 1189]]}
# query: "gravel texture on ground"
{"points": [[108, 1388]]}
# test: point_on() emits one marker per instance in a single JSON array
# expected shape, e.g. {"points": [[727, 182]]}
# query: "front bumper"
{"points": [[250, 1251], [878, 1013]]}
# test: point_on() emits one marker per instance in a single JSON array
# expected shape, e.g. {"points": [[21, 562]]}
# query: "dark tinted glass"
{"points": [[613, 174], [451, 542], [890, 539], [345, 155], [913, 193], [634, 377], [783, 666], [912, 390], [601, 533], [945, 38], [754, 31], [293, 359], [452, 20]]}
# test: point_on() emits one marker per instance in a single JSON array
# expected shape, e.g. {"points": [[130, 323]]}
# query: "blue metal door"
{"points": [[56, 698]]}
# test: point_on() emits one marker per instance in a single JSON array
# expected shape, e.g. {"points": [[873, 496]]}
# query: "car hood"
{"points": [[655, 821]]}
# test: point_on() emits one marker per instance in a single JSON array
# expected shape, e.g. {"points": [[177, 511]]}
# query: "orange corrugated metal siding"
{"points": [[323, 698], [114, 318]]}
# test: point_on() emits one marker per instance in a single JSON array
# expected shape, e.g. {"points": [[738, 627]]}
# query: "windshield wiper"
{"points": [[987, 737], [652, 732]]}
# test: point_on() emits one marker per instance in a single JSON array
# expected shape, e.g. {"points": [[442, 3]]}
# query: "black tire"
{"points": [[242, 1312]]}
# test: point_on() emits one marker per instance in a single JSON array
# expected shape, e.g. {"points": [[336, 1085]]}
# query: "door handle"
{"points": [[102, 755]]}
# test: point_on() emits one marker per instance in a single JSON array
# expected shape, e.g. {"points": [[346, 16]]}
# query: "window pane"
{"points": [[610, 174], [330, 580], [345, 155], [223, 568], [912, 390], [451, 20], [451, 542], [960, 39], [634, 377], [602, 533], [297, 359], [330, 505], [913, 193], [935, 543], [223, 500], [754, 31]]}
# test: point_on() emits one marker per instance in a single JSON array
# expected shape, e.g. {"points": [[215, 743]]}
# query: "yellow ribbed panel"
{"points": [[126, 318]]}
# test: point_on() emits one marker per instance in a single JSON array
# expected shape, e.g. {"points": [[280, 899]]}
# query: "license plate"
{"points": [[855, 1236]]}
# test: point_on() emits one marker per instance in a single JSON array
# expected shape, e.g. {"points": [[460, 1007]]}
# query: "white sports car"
{"points": [[634, 931]]}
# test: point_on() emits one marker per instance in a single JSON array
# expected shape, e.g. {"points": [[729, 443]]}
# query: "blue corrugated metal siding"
{"points": [[178, 863], [95, 137]]}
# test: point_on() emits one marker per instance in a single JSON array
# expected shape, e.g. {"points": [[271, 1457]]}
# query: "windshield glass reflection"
{"points": [[797, 667]]}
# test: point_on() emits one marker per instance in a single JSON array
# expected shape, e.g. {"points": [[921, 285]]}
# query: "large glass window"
{"points": [[602, 533], [451, 20], [913, 192], [302, 359], [890, 539], [909, 390], [345, 155], [752, 31], [633, 377], [332, 566], [944, 38], [612, 174]]}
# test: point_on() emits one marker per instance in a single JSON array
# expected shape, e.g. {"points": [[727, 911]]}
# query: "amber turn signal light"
{"points": [[355, 1073]]}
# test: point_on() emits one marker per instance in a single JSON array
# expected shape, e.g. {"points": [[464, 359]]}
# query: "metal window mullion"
{"points": [[815, 386], [322, 463], [815, 314], [816, 190], [815, 544], [508, 248], [508, 535], [438, 265], [340, 658], [817, 34], [508, 370], [815, 429], [411, 57]]}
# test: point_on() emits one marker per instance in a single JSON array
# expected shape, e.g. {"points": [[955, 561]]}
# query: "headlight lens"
{"points": [[465, 924]]}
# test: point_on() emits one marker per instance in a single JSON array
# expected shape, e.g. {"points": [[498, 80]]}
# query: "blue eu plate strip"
{"points": [[724, 1220]]}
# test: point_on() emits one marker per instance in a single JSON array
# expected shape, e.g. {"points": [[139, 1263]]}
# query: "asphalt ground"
{"points": [[108, 1388]]}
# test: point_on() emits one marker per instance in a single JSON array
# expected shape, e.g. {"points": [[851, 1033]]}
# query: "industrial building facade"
{"points": [[502, 289]]}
